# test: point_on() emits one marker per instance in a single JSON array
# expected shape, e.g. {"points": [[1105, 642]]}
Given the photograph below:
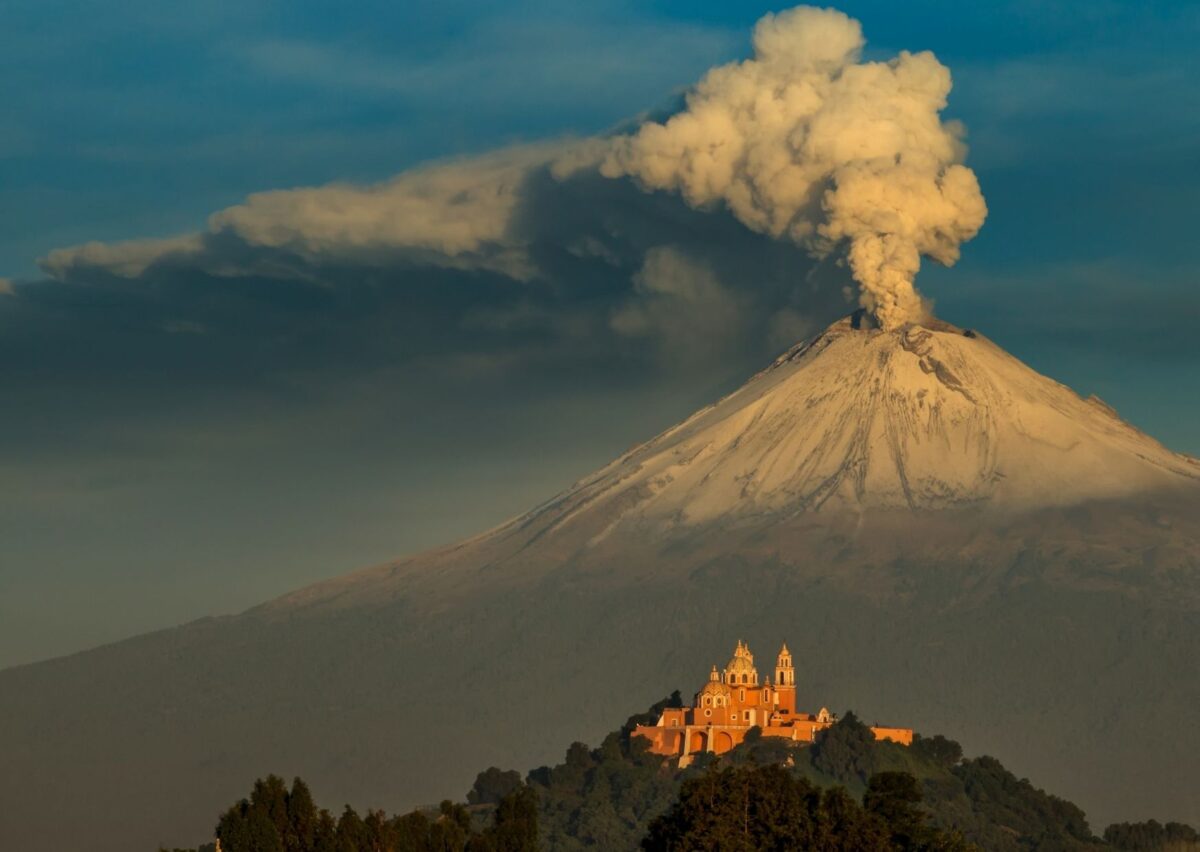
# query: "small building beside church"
{"points": [[733, 701]]}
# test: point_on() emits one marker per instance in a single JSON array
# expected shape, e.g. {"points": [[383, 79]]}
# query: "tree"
{"points": [[739, 808], [1011, 805], [895, 798], [248, 827], [381, 834], [845, 751], [1152, 836], [232, 829], [412, 832], [301, 819], [451, 830], [842, 825], [269, 797], [939, 749], [755, 748], [492, 785], [262, 833], [514, 825], [351, 834], [766, 807], [325, 833], [446, 835]]}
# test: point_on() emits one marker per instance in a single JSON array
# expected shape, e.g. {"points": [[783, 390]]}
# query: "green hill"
{"points": [[846, 791]]}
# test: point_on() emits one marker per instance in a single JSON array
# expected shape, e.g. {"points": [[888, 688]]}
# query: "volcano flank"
{"points": [[921, 418], [952, 539]]}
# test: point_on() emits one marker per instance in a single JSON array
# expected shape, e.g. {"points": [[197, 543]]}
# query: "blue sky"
{"points": [[293, 433]]}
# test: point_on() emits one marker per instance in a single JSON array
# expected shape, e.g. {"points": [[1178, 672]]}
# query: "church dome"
{"points": [[741, 666], [715, 687]]}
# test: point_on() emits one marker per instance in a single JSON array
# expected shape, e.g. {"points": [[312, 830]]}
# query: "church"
{"points": [[733, 701]]}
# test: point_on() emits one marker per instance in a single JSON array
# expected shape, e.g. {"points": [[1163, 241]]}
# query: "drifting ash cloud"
{"points": [[803, 142], [457, 214]]}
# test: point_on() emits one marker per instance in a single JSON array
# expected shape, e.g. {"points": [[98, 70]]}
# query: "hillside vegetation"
{"points": [[846, 792]]}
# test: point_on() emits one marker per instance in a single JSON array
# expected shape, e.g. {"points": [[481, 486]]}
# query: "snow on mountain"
{"points": [[925, 417]]}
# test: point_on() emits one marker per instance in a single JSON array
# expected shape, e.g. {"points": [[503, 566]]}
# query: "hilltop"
{"points": [[620, 796]]}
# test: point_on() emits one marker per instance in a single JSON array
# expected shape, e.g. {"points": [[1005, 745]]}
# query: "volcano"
{"points": [[942, 535]]}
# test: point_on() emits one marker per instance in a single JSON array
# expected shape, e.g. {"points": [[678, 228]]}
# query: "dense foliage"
{"points": [[844, 791], [607, 797], [276, 819], [746, 808], [1152, 836]]}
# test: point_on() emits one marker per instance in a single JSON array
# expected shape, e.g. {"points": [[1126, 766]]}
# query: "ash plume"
{"points": [[805, 141]]}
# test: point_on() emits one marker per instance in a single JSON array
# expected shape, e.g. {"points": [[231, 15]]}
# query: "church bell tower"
{"points": [[785, 681]]}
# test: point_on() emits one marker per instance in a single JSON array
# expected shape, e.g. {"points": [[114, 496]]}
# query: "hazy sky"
{"points": [[193, 437]]}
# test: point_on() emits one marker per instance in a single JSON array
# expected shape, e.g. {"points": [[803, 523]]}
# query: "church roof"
{"points": [[742, 661], [740, 665]]}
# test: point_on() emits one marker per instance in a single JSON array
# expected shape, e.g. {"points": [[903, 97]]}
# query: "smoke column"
{"points": [[806, 141]]}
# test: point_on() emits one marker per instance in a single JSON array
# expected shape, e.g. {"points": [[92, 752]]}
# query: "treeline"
{"points": [[277, 819], [607, 797], [724, 808], [1152, 836], [766, 807], [844, 791]]}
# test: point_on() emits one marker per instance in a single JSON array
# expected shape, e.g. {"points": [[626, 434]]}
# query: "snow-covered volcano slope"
{"points": [[927, 438], [924, 417]]}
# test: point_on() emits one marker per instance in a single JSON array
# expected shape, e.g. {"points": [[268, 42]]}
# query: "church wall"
{"points": [[722, 715], [904, 736]]}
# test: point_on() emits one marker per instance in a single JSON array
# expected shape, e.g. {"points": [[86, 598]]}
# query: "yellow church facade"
{"points": [[733, 701]]}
